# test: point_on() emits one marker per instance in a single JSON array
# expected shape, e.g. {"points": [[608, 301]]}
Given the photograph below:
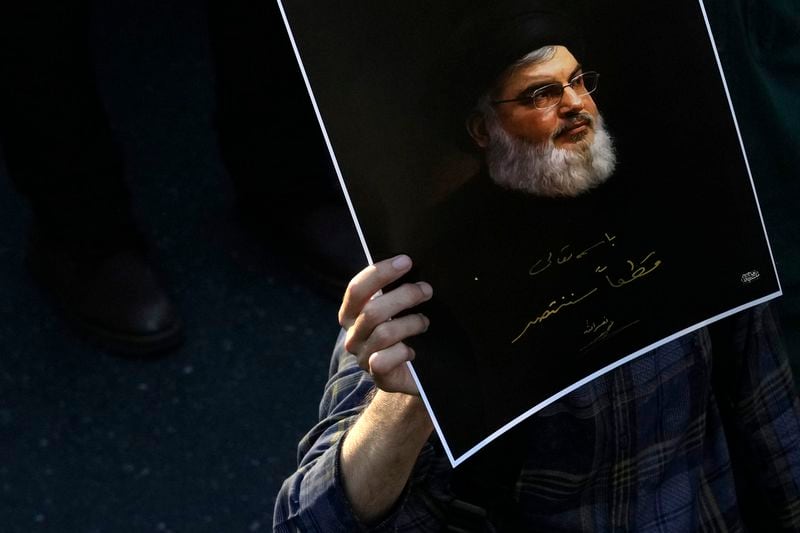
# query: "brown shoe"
{"points": [[115, 300]]}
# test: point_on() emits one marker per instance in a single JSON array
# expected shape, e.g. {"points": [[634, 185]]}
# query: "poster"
{"points": [[538, 288]]}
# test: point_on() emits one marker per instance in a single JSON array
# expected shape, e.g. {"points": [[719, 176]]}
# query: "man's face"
{"points": [[537, 126], [563, 150]]}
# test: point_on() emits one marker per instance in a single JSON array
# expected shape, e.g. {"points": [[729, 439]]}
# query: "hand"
{"points": [[373, 335]]}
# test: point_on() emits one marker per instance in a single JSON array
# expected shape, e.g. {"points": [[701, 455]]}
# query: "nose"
{"points": [[570, 101]]}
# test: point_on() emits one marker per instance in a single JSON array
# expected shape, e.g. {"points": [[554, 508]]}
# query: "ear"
{"points": [[476, 127]]}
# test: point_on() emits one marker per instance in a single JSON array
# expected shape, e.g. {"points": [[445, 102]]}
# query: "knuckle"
{"points": [[352, 291], [374, 272], [377, 364], [406, 352], [410, 293], [370, 315], [350, 345], [352, 286], [384, 268], [381, 335], [415, 293], [358, 284]]}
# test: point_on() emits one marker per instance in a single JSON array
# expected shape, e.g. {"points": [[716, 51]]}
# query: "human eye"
{"points": [[547, 95], [526, 98], [577, 82]]}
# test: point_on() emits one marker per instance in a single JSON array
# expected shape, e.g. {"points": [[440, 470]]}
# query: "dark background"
{"points": [[201, 441], [198, 441]]}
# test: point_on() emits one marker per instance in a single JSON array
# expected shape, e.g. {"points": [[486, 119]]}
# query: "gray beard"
{"points": [[545, 170]]}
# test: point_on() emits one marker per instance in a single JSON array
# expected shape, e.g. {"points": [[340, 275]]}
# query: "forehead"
{"points": [[557, 69]]}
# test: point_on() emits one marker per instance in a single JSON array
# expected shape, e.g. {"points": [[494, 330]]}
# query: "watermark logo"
{"points": [[750, 277]]}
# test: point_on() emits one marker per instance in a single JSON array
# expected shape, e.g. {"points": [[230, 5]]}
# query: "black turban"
{"points": [[490, 40], [498, 42]]}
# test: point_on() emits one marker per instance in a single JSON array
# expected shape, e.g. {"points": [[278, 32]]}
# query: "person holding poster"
{"points": [[632, 451], [670, 441]]}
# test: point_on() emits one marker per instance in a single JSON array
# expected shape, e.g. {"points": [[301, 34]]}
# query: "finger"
{"points": [[368, 282], [381, 309], [386, 361], [386, 335], [390, 372]]}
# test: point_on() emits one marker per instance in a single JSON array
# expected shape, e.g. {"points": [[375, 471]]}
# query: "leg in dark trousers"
{"points": [[60, 154]]}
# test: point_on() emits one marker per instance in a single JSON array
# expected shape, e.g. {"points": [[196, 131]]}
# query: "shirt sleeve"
{"points": [[313, 497], [765, 438]]}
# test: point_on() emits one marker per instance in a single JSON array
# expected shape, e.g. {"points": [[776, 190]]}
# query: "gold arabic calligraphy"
{"points": [[638, 270], [565, 255], [551, 310]]}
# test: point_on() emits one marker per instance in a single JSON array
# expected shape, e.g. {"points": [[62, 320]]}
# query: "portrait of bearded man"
{"points": [[546, 161], [550, 140]]}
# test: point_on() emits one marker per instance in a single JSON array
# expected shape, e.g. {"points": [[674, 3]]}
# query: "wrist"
{"points": [[405, 410], [379, 452]]}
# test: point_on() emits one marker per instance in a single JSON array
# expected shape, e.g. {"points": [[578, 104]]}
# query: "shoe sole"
{"points": [[127, 345], [119, 343]]}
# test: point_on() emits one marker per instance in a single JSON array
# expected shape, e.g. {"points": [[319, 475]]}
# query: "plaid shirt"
{"points": [[641, 448]]}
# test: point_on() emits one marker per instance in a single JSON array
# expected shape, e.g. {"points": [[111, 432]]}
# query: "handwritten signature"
{"points": [[603, 331]]}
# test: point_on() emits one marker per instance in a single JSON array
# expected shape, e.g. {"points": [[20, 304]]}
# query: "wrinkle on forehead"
{"points": [[558, 69]]}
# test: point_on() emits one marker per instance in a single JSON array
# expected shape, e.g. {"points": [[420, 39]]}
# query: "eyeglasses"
{"points": [[550, 95]]}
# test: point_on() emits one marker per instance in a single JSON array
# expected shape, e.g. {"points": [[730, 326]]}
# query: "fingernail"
{"points": [[426, 289], [427, 322], [401, 262]]}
